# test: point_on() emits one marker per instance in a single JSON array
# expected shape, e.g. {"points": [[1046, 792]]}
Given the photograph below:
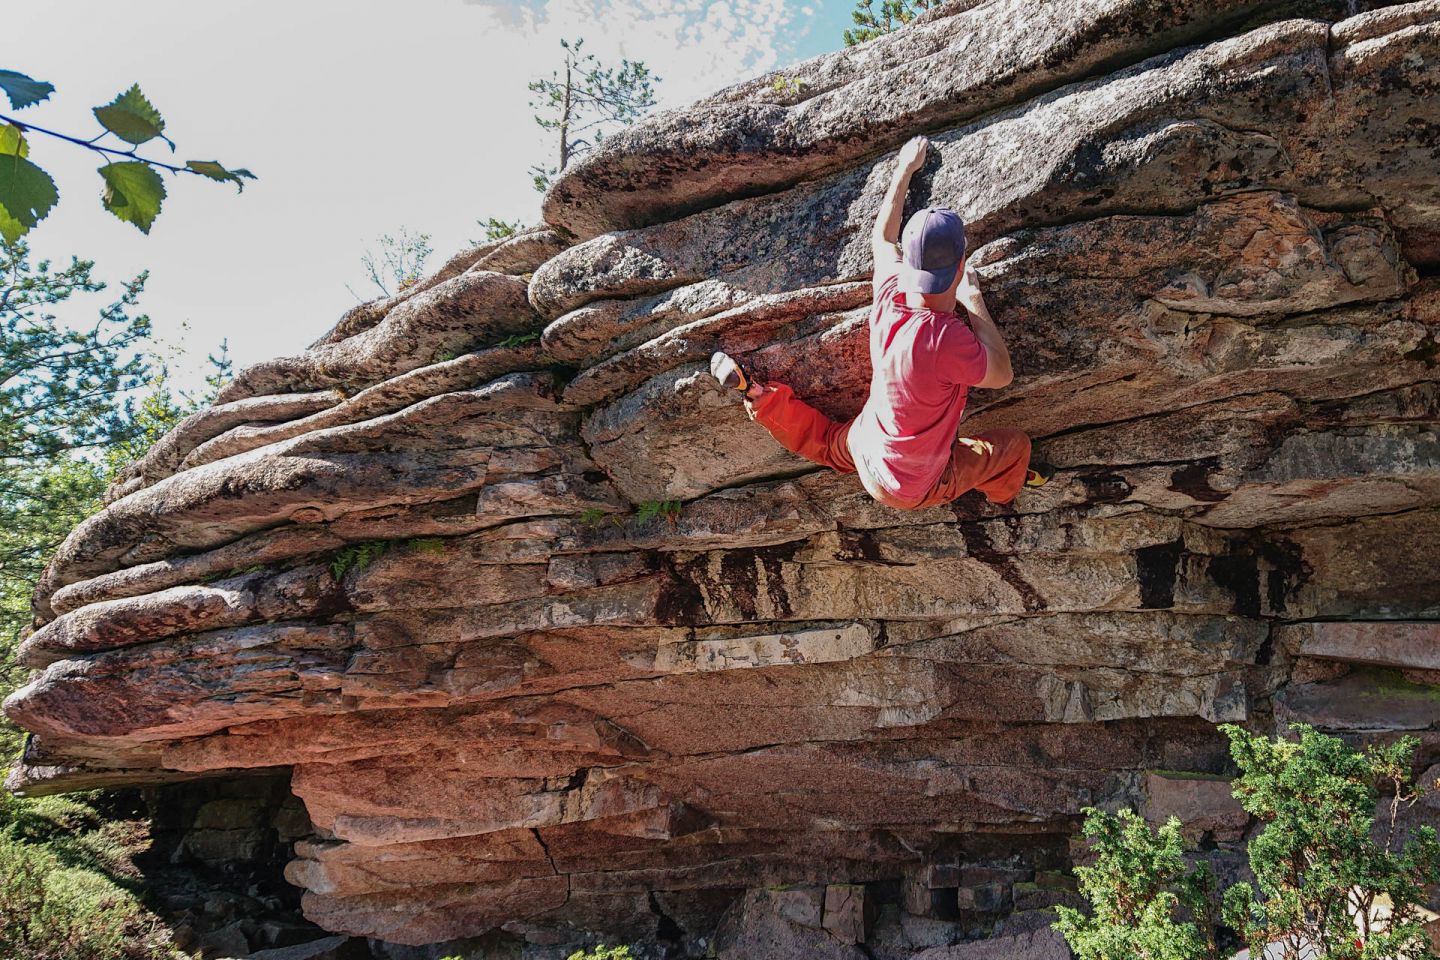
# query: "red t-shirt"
{"points": [[922, 361]]}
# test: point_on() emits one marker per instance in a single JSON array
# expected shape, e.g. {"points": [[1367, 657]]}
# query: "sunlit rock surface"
{"points": [[435, 566]]}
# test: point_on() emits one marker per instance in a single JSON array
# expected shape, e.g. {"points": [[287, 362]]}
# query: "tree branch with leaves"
{"points": [[133, 188]]}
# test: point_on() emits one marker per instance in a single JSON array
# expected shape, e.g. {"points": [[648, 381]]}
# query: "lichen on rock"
{"points": [[441, 576]]}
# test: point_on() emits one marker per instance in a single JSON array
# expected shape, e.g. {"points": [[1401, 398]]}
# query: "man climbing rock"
{"points": [[924, 357]]}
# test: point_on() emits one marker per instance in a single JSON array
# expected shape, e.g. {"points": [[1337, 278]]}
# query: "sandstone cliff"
{"points": [[422, 567]]}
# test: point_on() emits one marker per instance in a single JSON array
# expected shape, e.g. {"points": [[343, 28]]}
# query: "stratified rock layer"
{"points": [[554, 639]]}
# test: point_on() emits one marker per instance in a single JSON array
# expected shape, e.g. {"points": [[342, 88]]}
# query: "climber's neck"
{"points": [[943, 302]]}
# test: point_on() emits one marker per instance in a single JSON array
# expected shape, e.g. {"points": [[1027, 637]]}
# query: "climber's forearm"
{"points": [[886, 233], [887, 224], [998, 372]]}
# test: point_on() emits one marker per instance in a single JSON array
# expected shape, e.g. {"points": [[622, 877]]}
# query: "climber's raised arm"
{"points": [[885, 238], [997, 358]]}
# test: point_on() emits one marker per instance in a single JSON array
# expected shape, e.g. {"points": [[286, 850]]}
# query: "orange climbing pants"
{"points": [[993, 462]]}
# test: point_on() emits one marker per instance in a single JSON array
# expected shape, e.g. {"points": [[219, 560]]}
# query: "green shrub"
{"points": [[1317, 865], [1320, 874], [603, 952], [49, 911], [1136, 886]]}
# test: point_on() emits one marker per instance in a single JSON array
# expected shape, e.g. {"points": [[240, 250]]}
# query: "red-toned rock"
{"points": [[558, 646]]}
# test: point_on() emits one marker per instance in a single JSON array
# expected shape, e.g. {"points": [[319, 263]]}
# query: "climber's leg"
{"points": [[994, 462], [800, 428]]}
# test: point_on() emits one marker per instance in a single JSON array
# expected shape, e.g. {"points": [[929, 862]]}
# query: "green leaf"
{"points": [[12, 142], [214, 170], [22, 90], [26, 195], [133, 191], [132, 118]]}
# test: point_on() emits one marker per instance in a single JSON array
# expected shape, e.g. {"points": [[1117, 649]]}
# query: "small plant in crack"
{"points": [[650, 509], [519, 340], [357, 556], [788, 86], [425, 545]]}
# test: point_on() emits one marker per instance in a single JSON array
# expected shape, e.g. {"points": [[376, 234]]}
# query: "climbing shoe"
{"points": [[1038, 474], [728, 371]]}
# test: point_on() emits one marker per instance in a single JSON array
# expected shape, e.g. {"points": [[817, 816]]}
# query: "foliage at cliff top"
{"points": [[892, 15]]}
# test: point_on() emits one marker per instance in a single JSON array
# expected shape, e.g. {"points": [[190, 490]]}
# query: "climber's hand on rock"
{"points": [[912, 155], [968, 293]]}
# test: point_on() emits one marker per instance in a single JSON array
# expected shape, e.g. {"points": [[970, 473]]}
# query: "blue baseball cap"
{"points": [[932, 247]]}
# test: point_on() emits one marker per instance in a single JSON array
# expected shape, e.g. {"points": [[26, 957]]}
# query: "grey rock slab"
{"points": [[214, 504], [1204, 804], [325, 948], [326, 473], [194, 686], [680, 436], [514, 542], [1097, 147], [366, 315], [758, 929], [457, 315], [166, 454], [385, 397], [835, 110], [737, 331], [523, 252], [1367, 700], [604, 327], [109, 624], [1162, 136], [1043, 944], [1386, 643]]}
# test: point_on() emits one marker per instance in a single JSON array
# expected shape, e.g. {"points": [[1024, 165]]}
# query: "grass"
{"points": [[67, 888]]}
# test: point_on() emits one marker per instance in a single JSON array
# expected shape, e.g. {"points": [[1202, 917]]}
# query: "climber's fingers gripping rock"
{"points": [[912, 155]]}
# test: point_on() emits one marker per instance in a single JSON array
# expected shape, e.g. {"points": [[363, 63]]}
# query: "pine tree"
{"points": [[893, 15], [584, 100]]}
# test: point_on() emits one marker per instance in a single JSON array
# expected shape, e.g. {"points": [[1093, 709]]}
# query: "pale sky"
{"points": [[359, 117]]}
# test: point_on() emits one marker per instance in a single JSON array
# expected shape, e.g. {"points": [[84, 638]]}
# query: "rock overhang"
{"points": [[429, 569]]}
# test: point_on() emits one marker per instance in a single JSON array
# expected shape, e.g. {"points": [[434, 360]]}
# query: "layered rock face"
{"points": [[555, 640]]}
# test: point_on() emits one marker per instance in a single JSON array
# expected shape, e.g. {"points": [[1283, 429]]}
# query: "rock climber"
{"points": [[905, 443]]}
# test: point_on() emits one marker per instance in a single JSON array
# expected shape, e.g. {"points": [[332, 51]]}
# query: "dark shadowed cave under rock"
{"points": [[419, 569]]}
